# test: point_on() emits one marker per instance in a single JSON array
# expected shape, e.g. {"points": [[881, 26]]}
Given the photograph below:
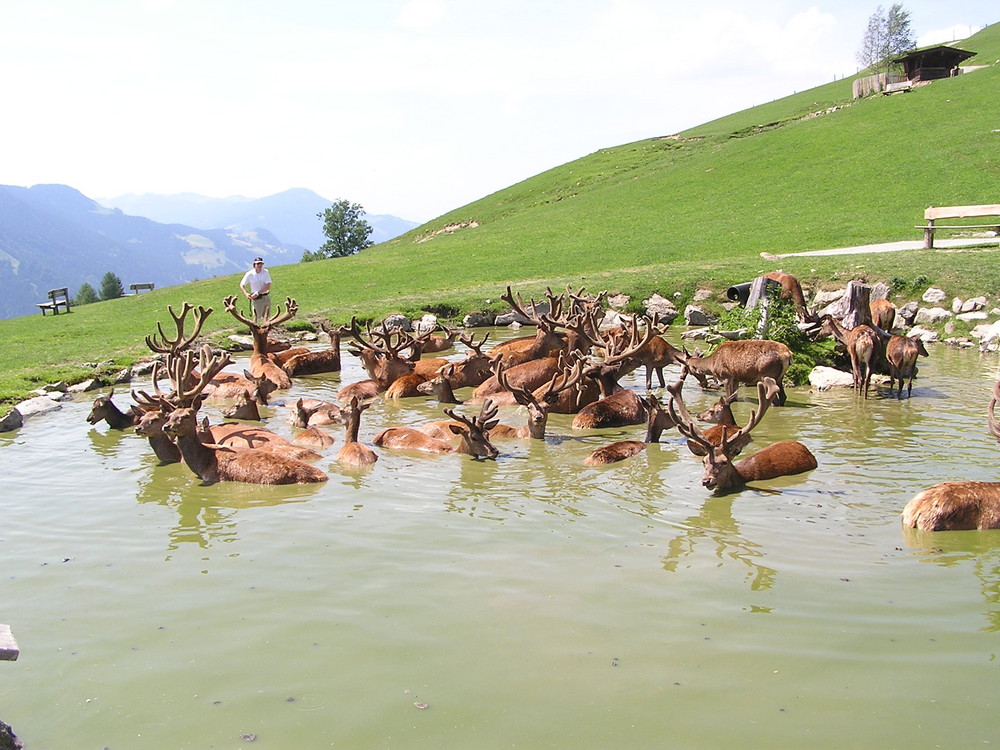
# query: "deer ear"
{"points": [[457, 429]]}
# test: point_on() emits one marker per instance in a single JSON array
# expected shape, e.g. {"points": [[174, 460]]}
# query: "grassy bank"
{"points": [[816, 170]]}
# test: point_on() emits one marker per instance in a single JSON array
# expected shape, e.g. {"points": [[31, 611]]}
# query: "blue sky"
{"points": [[408, 107]]}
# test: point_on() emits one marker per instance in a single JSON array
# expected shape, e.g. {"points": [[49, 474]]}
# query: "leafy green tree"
{"points": [[346, 230], [111, 286], [888, 34], [85, 295]]}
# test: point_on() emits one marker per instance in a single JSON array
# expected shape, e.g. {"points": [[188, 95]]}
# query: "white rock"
{"points": [[933, 294], [38, 405], [931, 315], [825, 378]]}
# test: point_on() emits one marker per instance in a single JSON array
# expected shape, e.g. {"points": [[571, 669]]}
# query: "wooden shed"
{"points": [[930, 63]]}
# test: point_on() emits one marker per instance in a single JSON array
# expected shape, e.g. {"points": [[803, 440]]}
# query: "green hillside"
{"points": [[814, 170]]}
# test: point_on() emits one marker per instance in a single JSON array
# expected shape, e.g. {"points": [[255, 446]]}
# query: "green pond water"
{"points": [[531, 602]]}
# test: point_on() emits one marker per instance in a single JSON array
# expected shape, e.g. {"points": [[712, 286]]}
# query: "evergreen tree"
{"points": [[111, 286], [85, 295]]}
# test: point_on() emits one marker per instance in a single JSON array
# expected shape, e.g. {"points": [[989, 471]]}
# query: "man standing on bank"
{"points": [[259, 295]]}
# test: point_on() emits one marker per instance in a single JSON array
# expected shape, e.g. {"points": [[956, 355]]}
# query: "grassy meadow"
{"points": [[671, 213]]}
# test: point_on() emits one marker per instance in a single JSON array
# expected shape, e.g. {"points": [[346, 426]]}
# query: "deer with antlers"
{"points": [[380, 355], [473, 435], [959, 505], [618, 406], [721, 475], [218, 463], [260, 363]]}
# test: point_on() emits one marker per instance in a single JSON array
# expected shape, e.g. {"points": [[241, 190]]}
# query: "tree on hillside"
{"points": [[346, 230], [111, 286], [85, 295], [888, 34]]}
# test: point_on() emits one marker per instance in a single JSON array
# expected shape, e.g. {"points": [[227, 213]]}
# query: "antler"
{"points": [[484, 422], [180, 371], [291, 309], [163, 345], [679, 413], [767, 389], [469, 341], [522, 395]]}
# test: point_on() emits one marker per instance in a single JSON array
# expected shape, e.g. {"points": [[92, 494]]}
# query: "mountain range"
{"points": [[53, 236]]}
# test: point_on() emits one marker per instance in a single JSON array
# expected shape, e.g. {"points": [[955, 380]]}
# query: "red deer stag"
{"points": [[352, 452], [217, 463], [473, 435], [538, 403], [958, 506], [440, 386], [180, 370], [721, 474], [863, 344], [260, 363], [379, 353], [901, 353], [434, 343], [545, 343], [720, 416], [746, 362]]}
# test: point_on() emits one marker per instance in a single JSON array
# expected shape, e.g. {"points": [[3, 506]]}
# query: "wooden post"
{"points": [[8, 646], [929, 235], [759, 296]]}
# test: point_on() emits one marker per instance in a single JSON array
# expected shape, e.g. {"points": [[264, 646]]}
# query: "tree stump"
{"points": [[858, 303]]}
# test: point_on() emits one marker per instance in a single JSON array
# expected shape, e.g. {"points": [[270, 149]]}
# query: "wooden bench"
{"points": [[934, 213], [136, 288], [893, 88], [57, 298]]}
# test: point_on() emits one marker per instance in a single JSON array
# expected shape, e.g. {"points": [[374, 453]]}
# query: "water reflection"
{"points": [[979, 550], [715, 525]]}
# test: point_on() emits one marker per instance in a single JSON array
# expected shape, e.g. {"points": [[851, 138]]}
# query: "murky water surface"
{"points": [[440, 602]]}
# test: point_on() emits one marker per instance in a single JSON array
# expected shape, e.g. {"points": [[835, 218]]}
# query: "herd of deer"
{"points": [[571, 365]]}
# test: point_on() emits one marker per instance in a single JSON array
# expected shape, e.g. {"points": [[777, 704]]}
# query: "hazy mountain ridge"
{"points": [[290, 215], [53, 236]]}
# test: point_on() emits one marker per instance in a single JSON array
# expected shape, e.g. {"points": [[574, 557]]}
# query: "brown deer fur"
{"points": [[956, 506], [745, 362], [217, 463], [901, 353], [352, 452]]}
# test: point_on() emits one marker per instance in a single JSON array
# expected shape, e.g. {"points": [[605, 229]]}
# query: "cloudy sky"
{"points": [[408, 107]]}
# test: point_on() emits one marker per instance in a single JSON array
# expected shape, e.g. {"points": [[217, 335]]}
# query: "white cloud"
{"points": [[422, 14], [944, 36]]}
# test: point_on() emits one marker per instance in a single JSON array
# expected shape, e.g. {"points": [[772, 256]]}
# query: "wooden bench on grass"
{"points": [[935, 213], [136, 288], [57, 298]]}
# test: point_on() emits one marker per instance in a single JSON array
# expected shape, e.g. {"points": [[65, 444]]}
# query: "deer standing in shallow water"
{"points": [[955, 506]]}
